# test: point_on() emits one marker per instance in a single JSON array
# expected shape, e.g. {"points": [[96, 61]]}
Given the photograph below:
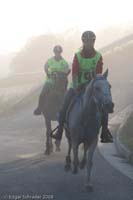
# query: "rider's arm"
{"points": [[46, 66], [75, 72], [99, 67], [66, 68]]}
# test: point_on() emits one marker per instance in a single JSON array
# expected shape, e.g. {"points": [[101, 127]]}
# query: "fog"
{"points": [[35, 51], [26, 65]]}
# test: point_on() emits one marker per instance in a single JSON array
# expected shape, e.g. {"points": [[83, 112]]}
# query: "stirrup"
{"points": [[51, 133], [58, 134]]}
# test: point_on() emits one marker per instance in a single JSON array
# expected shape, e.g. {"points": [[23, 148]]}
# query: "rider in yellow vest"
{"points": [[54, 64], [86, 63]]}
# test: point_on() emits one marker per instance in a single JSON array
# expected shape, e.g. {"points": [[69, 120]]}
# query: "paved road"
{"points": [[26, 173]]}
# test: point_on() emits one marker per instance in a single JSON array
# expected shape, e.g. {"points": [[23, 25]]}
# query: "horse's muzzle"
{"points": [[109, 107]]}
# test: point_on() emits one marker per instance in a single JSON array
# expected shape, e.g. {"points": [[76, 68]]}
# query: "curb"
{"points": [[110, 154], [120, 120], [121, 148]]}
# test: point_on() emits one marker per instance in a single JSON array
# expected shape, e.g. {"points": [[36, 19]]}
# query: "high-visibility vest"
{"points": [[57, 65], [87, 68]]}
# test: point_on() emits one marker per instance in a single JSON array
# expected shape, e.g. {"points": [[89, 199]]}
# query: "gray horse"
{"points": [[53, 98], [83, 122]]}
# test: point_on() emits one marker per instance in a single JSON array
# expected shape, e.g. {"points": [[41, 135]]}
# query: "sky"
{"points": [[22, 19]]}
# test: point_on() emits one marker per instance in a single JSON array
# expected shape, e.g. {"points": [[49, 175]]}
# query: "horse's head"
{"points": [[100, 90], [60, 79]]}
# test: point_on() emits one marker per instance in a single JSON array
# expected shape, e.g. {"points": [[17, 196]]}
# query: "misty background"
{"points": [[22, 71], [30, 29]]}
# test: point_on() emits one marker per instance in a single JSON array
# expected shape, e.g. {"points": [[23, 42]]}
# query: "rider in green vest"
{"points": [[86, 63], [87, 68], [55, 64]]}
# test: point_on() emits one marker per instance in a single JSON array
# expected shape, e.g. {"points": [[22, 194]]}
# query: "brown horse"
{"points": [[52, 103]]}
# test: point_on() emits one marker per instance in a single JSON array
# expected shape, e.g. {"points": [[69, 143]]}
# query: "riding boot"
{"points": [[62, 114], [106, 136], [38, 110]]}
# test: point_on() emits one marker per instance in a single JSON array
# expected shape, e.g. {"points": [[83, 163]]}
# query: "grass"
{"points": [[126, 135]]}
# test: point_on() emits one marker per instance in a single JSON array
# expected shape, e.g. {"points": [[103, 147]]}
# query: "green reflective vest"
{"points": [[87, 67], [57, 65]]}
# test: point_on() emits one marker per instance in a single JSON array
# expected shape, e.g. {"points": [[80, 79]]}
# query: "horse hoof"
{"points": [[47, 152], [58, 149], [89, 187], [51, 150], [74, 171], [57, 143], [82, 165], [67, 168]]}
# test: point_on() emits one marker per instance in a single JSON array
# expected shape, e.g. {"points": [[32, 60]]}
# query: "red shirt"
{"points": [[86, 54]]}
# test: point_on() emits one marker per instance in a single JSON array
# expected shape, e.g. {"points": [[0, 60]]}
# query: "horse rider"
{"points": [[87, 62], [55, 64]]}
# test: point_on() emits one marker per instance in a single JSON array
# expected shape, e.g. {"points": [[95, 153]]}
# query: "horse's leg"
{"points": [[49, 145], [83, 161], [75, 158], [50, 139], [68, 157], [57, 144], [91, 150]]}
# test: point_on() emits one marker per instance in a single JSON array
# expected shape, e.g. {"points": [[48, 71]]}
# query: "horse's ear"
{"points": [[105, 74]]}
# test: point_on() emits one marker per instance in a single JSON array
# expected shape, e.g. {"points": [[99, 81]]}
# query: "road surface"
{"points": [[26, 173]]}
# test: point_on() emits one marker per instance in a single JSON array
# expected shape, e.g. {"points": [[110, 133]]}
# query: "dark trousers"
{"points": [[105, 131]]}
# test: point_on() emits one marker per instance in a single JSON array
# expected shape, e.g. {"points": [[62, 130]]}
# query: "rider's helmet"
{"points": [[58, 49], [88, 35]]}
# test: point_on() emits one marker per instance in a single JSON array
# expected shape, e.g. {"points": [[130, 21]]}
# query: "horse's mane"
{"points": [[88, 92], [90, 85], [89, 88]]}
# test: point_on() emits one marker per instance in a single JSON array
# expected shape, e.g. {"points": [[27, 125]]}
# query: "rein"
{"points": [[91, 97]]}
